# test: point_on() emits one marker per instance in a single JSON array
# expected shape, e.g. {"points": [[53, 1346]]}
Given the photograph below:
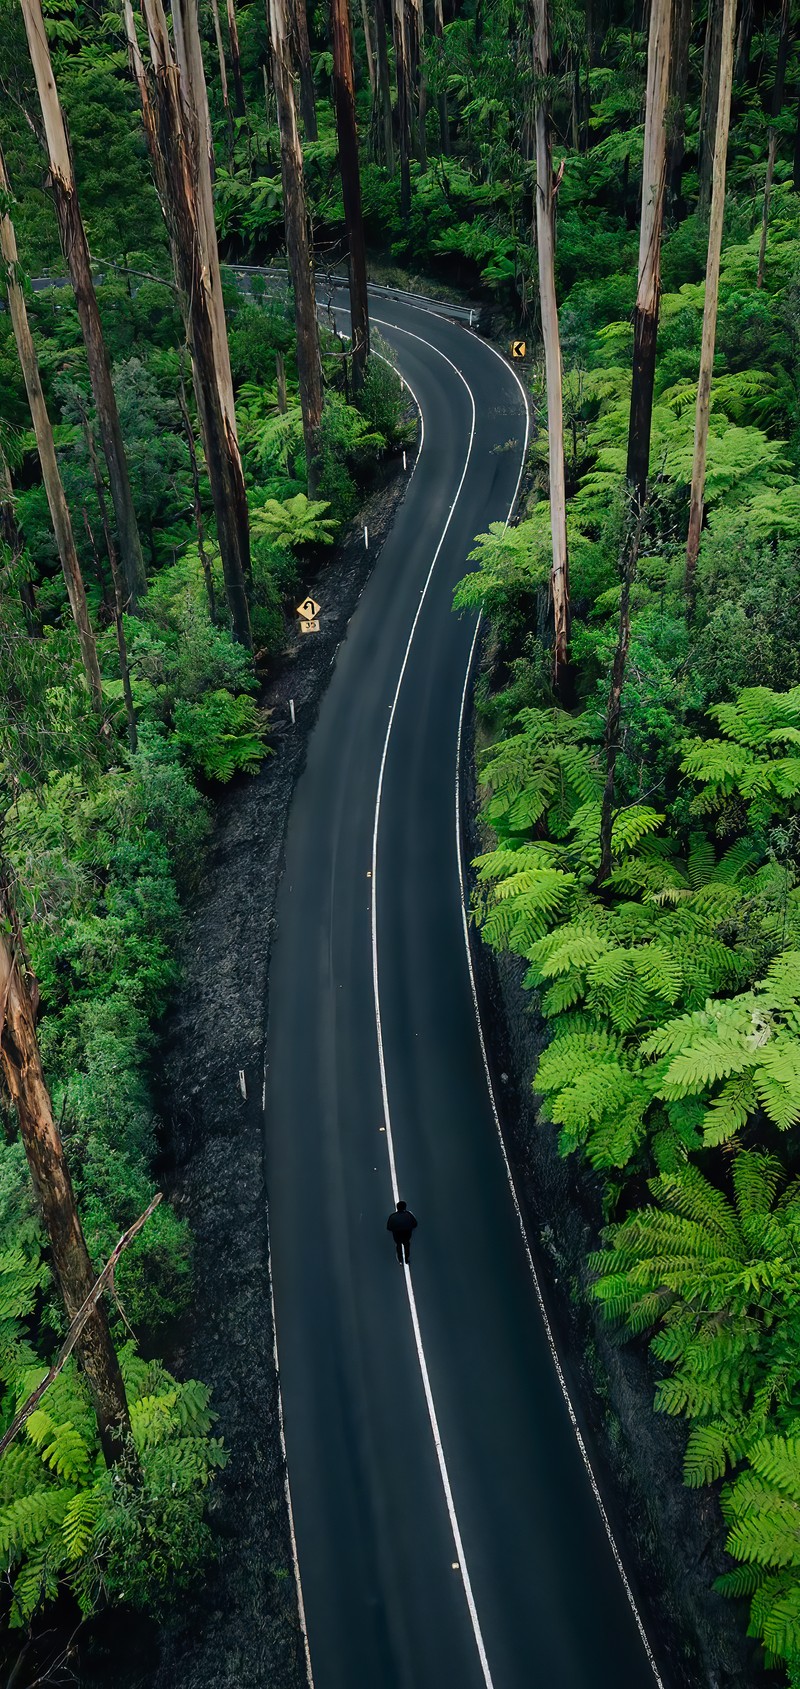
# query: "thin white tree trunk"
{"points": [[712, 293], [772, 148], [53, 486], [545, 245], [648, 292]]}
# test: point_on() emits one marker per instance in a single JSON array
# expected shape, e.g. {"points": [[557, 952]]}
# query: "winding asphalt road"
{"points": [[446, 1526]]}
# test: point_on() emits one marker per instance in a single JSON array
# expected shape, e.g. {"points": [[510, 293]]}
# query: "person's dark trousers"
{"points": [[403, 1244]]}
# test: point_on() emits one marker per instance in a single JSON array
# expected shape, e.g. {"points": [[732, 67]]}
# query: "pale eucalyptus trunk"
{"points": [[76, 252], [715, 227], [344, 100]]}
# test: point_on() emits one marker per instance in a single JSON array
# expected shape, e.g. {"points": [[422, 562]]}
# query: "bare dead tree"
{"points": [[76, 252]]}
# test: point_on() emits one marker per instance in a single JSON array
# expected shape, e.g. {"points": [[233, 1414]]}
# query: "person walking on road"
{"points": [[401, 1224]]}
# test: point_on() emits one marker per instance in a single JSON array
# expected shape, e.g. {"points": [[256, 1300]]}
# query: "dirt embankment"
{"points": [[671, 1538], [241, 1630]]}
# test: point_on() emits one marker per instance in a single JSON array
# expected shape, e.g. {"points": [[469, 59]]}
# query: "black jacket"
{"points": [[401, 1225]]}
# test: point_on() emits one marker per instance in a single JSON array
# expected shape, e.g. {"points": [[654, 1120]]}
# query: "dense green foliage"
{"points": [[671, 991]]}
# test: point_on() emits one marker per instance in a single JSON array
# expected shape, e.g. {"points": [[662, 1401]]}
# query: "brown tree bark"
{"points": [[76, 252], [403, 75], [709, 101], [545, 246], [384, 84], [175, 130], [298, 246], [236, 59], [300, 52], [116, 578], [45, 444], [645, 321], [344, 100], [712, 295], [75, 1276], [772, 144]]}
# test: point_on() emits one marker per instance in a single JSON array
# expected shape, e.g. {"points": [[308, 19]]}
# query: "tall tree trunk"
{"points": [[676, 110], [368, 49], [645, 322], [45, 444], [712, 296], [300, 53], [632, 540], [116, 578], [76, 252], [75, 1276], [418, 95], [223, 79], [344, 99], [441, 98], [403, 74], [236, 59], [743, 40], [772, 145], [709, 101], [196, 500], [298, 246], [545, 246], [384, 84], [174, 128]]}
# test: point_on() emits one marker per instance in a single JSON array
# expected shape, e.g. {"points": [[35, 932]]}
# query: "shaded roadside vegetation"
{"points": [[668, 984]]}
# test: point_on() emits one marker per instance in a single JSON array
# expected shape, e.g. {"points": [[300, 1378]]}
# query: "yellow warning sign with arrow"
{"points": [[518, 348], [309, 609]]}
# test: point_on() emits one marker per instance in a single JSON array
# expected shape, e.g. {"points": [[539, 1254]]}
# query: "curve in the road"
{"points": [[374, 1529]]}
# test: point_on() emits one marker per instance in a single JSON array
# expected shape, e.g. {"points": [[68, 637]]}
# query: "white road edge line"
{"points": [[548, 1330], [287, 1489], [423, 1366]]}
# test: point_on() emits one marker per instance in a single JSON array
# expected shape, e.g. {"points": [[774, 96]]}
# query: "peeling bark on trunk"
{"points": [[384, 84], [545, 246], [298, 246], [301, 54], [402, 72], [344, 99], [45, 444], [645, 321], [76, 252], [176, 132], [75, 1276], [772, 146], [712, 296], [236, 59], [709, 102]]}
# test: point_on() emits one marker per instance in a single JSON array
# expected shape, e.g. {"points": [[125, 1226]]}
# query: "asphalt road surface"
{"points": [[447, 1531]]}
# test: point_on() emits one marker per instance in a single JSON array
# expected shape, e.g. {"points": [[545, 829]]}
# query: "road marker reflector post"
{"points": [[291, 709], [366, 537]]}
